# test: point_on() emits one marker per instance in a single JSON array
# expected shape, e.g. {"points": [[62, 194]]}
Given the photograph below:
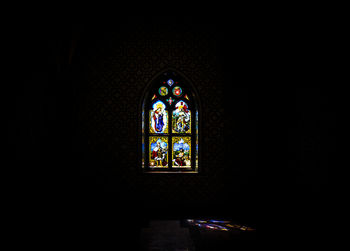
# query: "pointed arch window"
{"points": [[170, 119]]}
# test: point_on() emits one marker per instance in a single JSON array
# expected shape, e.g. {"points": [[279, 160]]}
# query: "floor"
{"points": [[181, 235], [101, 231], [166, 235]]}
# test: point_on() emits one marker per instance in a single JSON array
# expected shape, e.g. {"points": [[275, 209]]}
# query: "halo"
{"points": [[158, 104]]}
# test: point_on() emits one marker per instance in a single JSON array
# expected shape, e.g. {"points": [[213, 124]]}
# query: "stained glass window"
{"points": [[170, 132]]}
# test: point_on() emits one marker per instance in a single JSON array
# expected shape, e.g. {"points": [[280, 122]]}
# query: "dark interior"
{"points": [[266, 129]]}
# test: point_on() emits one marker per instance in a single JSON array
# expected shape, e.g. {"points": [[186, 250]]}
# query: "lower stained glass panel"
{"points": [[158, 152], [181, 152]]}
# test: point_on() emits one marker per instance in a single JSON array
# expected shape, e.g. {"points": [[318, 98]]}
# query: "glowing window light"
{"points": [[218, 225]]}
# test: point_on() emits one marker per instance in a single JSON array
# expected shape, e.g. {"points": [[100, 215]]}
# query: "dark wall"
{"points": [[115, 69], [74, 117]]}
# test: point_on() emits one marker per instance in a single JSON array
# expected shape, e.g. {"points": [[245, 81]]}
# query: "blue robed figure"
{"points": [[158, 118], [159, 123]]}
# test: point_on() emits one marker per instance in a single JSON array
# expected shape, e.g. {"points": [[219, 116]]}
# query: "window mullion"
{"points": [[170, 140]]}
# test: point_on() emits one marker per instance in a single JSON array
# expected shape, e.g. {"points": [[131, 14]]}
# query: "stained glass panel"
{"points": [[177, 91], [170, 82], [158, 118], [163, 91], [181, 152], [181, 120], [170, 100], [158, 152]]}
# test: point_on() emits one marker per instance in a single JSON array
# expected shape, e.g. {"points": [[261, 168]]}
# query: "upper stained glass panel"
{"points": [[181, 120], [158, 118]]}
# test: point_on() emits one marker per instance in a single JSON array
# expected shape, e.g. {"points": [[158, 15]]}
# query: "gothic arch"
{"points": [[170, 118]]}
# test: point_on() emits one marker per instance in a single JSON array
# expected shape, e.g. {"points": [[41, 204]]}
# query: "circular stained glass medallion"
{"points": [[177, 91], [163, 91]]}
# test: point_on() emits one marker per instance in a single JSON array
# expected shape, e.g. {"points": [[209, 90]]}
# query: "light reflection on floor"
{"points": [[219, 225]]}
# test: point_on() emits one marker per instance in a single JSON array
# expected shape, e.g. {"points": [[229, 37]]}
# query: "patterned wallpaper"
{"points": [[117, 69]]}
